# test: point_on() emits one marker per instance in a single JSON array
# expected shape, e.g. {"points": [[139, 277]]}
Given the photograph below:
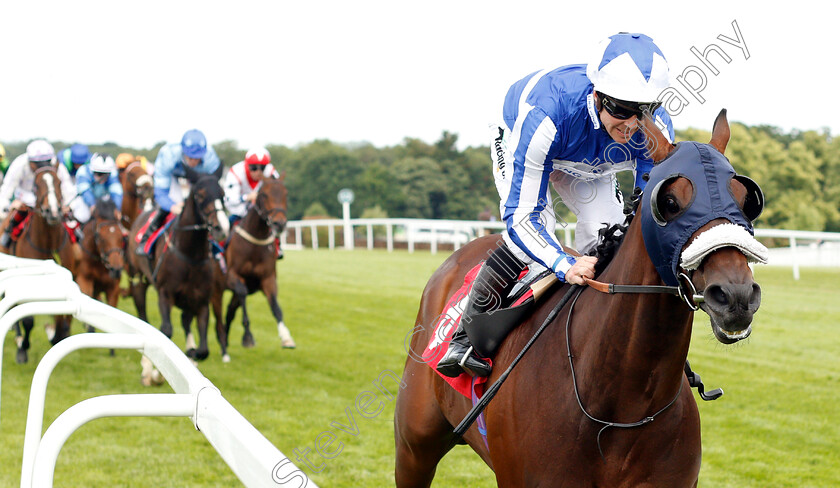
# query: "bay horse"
{"points": [[103, 256], [252, 265], [576, 409], [45, 237], [138, 192], [181, 268]]}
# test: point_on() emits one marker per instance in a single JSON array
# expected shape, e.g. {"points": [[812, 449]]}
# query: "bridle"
{"points": [[685, 290], [97, 242], [267, 214]]}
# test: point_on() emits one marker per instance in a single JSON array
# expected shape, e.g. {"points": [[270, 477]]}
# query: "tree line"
{"points": [[798, 171]]}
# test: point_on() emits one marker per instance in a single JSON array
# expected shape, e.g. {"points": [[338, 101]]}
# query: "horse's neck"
{"points": [[254, 224], [187, 240], [641, 339], [44, 235]]}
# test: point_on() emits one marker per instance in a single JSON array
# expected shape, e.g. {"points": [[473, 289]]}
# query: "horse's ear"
{"points": [[658, 146], [720, 132], [282, 176]]}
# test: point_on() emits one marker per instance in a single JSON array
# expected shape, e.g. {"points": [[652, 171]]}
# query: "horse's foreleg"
{"points": [[165, 307], [268, 286], [62, 328], [233, 306], [221, 333], [23, 339], [202, 319], [137, 286], [189, 340]]}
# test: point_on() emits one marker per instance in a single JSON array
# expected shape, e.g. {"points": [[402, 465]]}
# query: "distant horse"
{"points": [[576, 409], [252, 265], [45, 237], [181, 269], [138, 192], [103, 257]]}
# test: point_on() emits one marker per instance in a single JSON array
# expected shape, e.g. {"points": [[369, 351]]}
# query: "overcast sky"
{"points": [[278, 72]]}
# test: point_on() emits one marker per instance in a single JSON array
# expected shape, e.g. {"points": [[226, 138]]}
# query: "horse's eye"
{"points": [[671, 205]]}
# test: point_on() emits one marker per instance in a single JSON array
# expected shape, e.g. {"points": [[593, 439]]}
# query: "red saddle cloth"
{"points": [[18, 230], [153, 237], [442, 335]]}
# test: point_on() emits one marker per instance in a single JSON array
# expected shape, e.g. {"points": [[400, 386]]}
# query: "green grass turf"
{"points": [[350, 312]]}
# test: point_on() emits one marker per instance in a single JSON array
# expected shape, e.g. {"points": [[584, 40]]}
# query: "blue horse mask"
{"points": [[710, 175]]}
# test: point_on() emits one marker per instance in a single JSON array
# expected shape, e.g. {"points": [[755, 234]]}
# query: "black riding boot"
{"points": [[492, 284], [6, 238], [157, 221]]}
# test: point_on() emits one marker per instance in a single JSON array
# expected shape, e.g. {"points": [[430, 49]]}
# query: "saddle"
{"points": [[485, 330], [150, 243]]}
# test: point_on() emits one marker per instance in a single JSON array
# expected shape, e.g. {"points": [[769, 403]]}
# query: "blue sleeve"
{"points": [[84, 187], [164, 164], [162, 198], [115, 189]]}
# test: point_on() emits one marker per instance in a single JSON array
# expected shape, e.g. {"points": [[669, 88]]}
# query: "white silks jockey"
{"points": [[242, 182]]}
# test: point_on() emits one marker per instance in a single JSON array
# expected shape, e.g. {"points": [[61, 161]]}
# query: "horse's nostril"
{"points": [[715, 295], [755, 296]]}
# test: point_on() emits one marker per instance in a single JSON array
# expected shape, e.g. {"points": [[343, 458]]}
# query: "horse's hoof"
{"points": [[226, 358], [191, 353], [248, 340], [289, 344], [201, 355], [22, 357], [89, 328], [49, 329]]}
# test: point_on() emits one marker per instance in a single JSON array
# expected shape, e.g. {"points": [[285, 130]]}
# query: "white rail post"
{"points": [[389, 237], [313, 229], [370, 236], [794, 258], [331, 236]]}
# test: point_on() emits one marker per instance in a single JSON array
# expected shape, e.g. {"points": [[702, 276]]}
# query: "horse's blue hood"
{"points": [[710, 174]]}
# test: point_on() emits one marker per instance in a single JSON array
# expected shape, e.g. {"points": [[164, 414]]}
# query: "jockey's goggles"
{"points": [[41, 164], [623, 110], [256, 167]]}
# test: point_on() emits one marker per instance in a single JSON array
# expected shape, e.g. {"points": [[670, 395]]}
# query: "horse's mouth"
{"points": [[724, 335]]}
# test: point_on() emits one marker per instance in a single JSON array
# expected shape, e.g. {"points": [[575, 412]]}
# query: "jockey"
{"points": [[124, 160], [170, 176], [74, 157], [242, 182], [574, 127], [19, 184], [95, 181]]}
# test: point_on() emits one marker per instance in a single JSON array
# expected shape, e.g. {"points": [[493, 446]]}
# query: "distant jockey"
{"points": [[242, 182], [171, 183]]}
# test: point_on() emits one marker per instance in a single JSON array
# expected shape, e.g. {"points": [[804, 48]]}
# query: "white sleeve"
{"points": [[68, 189], [233, 193]]}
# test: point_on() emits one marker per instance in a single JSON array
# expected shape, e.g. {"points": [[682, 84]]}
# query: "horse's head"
{"points": [[140, 185], [48, 194], [697, 216], [208, 196], [108, 237], [271, 203]]}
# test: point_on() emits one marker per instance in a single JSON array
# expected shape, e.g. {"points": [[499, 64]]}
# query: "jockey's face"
{"points": [[255, 171], [100, 177], [192, 162], [620, 130]]}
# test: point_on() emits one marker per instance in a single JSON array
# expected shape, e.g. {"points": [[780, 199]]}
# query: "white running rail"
{"points": [[29, 287]]}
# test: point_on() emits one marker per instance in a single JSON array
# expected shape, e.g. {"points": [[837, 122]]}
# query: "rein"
{"points": [[607, 424]]}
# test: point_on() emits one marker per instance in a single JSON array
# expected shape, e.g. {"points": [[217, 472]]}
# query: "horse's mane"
{"points": [[105, 209], [611, 237]]}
